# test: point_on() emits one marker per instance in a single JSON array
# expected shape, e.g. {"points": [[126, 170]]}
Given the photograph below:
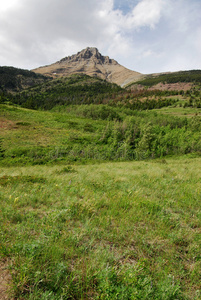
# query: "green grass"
{"points": [[179, 111], [74, 228], [40, 137], [128, 230], [112, 230], [83, 134]]}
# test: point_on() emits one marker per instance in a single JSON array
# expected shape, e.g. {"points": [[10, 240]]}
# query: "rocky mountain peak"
{"points": [[89, 53], [91, 62]]}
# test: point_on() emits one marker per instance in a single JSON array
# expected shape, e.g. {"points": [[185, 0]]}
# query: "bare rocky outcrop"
{"points": [[90, 62]]}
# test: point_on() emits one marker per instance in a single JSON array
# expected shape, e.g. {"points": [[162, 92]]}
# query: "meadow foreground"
{"points": [[121, 230]]}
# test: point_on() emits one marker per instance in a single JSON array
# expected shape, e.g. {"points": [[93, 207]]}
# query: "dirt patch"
{"points": [[179, 86], [7, 124], [5, 280]]}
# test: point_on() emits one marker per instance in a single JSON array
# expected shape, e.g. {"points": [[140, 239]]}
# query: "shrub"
{"points": [[2, 150]]}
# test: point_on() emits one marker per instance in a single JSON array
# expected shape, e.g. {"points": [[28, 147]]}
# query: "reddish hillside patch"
{"points": [[179, 86], [7, 124]]}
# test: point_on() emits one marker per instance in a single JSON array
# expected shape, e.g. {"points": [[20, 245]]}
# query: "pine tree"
{"points": [[2, 151]]}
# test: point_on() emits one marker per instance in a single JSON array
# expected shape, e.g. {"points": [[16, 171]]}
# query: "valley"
{"points": [[100, 184]]}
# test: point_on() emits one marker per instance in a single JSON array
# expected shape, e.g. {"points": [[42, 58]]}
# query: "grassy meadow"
{"points": [[122, 230], [100, 200]]}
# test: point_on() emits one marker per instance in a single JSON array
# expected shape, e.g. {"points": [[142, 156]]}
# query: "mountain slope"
{"points": [[182, 80], [90, 62], [74, 89], [14, 79]]}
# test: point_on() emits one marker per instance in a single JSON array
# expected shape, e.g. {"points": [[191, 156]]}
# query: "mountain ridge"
{"points": [[90, 62]]}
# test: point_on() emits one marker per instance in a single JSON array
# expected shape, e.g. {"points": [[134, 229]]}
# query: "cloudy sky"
{"points": [[143, 35]]}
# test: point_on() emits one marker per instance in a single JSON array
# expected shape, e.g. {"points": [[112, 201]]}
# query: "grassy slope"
{"points": [[128, 230], [69, 135], [109, 231], [42, 136]]}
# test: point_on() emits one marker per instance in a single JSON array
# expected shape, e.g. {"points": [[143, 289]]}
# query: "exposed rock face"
{"points": [[89, 61]]}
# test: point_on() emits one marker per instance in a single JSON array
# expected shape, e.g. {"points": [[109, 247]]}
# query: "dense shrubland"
{"points": [[100, 132], [193, 98]]}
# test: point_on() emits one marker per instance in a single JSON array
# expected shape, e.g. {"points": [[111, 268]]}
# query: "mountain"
{"points": [[90, 62]]}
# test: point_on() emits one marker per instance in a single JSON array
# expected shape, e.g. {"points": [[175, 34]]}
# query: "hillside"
{"points": [[75, 89], [72, 218], [14, 79], [84, 133], [80, 89], [100, 191], [183, 80], [90, 62]]}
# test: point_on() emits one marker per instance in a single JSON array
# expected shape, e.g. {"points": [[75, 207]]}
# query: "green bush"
{"points": [[2, 150]]}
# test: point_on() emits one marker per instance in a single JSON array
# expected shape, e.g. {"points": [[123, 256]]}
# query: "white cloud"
{"points": [[145, 13], [9, 4], [146, 36]]}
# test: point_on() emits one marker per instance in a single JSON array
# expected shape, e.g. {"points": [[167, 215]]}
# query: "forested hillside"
{"points": [[182, 76], [14, 79], [82, 89], [76, 89]]}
